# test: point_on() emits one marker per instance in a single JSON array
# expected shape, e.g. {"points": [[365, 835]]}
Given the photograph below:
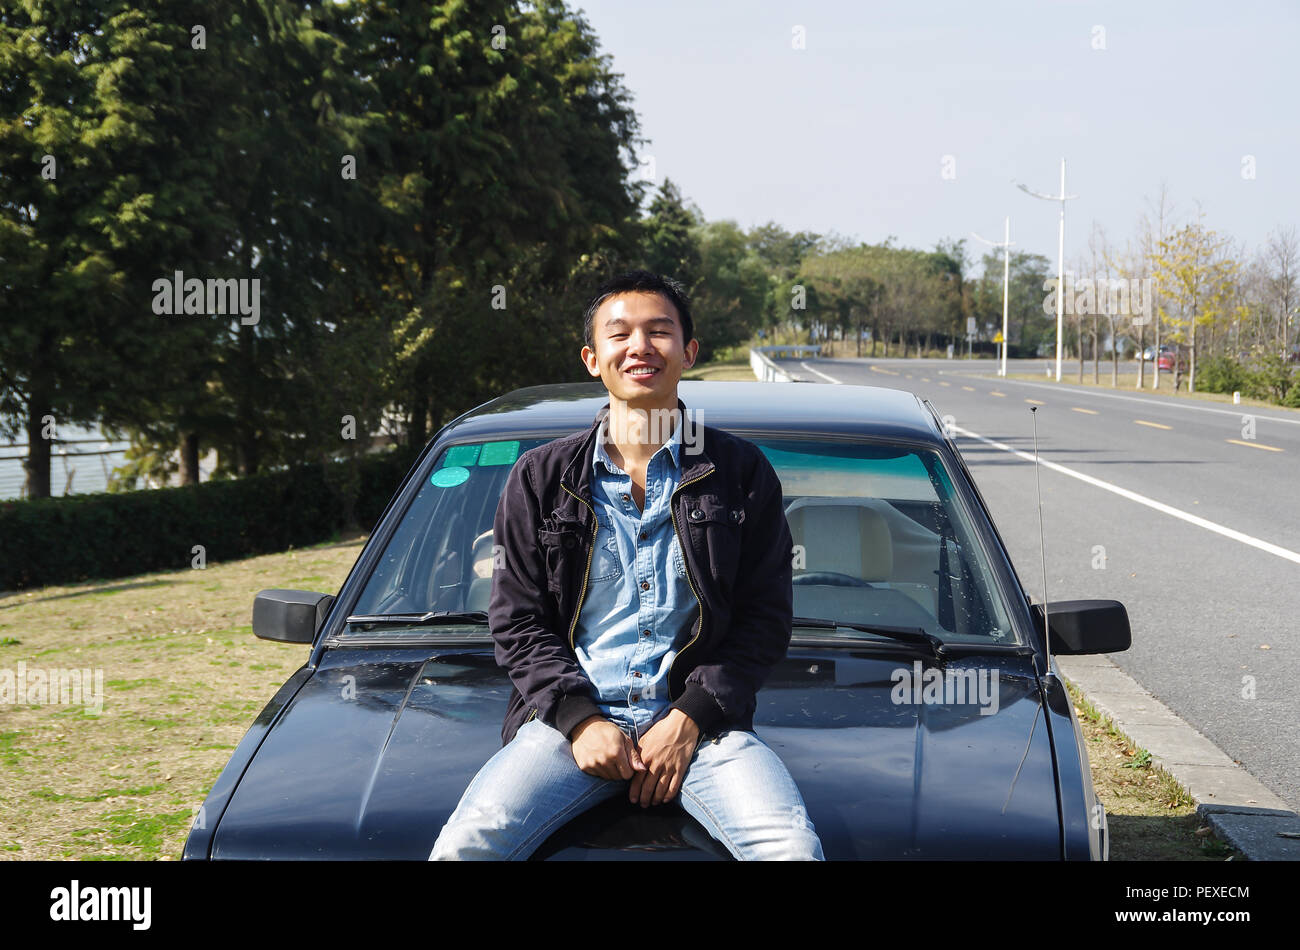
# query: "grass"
{"points": [[183, 679], [737, 370], [1129, 384], [1149, 814]]}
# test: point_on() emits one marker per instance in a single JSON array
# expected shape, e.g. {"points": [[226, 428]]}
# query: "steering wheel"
{"points": [[831, 579]]}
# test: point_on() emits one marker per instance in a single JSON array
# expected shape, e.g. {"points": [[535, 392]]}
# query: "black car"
{"points": [[914, 708]]}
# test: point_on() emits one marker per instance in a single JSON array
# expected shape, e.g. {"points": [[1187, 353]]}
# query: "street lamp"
{"points": [[1006, 273], [1060, 260]]}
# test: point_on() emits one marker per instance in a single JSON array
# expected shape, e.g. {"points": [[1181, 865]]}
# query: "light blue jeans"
{"points": [[735, 786]]}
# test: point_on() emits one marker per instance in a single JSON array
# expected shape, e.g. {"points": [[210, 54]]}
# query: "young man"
{"points": [[644, 596]]}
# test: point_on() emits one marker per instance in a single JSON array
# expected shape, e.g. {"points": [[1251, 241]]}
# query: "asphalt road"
{"points": [[1204, 551]]}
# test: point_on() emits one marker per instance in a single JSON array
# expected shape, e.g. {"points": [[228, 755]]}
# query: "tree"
{"points": [[731, 293], [96, 188], [1197, 285], [505, 152], [1027, 325], [1153, 227], [954, 303], [781, 252], [1283, 259], [670, 236]]}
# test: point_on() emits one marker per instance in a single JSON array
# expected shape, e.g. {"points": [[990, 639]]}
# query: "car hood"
{"points": [[371, 755]]}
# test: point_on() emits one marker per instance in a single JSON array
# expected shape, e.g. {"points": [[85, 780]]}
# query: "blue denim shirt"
{"points": [[639, 608]]}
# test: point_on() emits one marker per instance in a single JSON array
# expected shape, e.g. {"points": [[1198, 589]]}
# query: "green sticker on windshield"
{"points": [[461, 455], [499, 453], [447, 477]]}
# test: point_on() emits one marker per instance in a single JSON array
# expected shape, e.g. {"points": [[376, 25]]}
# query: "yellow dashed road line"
{"points": [[1091, 412], [996, 393], [969, 389], [1154, 425], [1036, 402], [1255, 445]]}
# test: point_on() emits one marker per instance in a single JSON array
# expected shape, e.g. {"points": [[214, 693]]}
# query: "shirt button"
{"points": [[636, 674], [645, 585], [696, 514], [645, 633], [643, 535], [627, 497], [636, 697]]}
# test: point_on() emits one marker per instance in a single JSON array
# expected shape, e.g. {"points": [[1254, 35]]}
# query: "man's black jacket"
{"points": [[729, 517]]}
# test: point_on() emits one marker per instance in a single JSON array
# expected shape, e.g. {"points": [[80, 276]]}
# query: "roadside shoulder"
{"points": [[1237, 806]]}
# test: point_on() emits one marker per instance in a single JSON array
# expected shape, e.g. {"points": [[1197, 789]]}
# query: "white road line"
{"points": [[829, 379], [1239, 412], [1141, 499]]}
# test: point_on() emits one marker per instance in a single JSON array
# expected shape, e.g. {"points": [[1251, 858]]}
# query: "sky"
{"points": [[913, 120]]}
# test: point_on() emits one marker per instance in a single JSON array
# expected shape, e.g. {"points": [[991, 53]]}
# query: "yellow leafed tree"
{"points": [[1195, 279]]}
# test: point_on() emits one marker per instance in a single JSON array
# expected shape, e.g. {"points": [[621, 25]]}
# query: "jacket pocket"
{"points": [[714, 527], [561, 547]]}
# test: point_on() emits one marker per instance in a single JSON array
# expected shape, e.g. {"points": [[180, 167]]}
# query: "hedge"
{"points": [[104, 535]]}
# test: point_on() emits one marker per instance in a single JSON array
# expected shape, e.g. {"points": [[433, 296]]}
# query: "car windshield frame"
{"points": [[1004, 583]]}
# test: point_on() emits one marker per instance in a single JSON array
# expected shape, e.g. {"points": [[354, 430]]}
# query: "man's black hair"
{"points": [[645, 281]]}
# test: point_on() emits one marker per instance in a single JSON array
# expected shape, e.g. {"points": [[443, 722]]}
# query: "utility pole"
{"points": [[1060, 262], [1005, 244]]}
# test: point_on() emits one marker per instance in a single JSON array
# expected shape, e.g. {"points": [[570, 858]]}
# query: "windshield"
{"points": [[879, 539]]}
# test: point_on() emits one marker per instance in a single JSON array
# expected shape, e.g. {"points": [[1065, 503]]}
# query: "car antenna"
{"points": [[1042, 550]]}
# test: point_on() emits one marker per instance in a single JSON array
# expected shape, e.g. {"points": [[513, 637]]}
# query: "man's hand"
{"points": [[602, 749], [666, 751]]}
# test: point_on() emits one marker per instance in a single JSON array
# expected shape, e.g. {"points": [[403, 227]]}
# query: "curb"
{"points": [[1240, 809]]}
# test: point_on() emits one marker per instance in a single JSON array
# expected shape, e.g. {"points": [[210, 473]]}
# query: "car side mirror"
{"points": [[290, 616], [1080, 627]]}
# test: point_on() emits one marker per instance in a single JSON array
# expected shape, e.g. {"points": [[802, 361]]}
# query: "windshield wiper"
{"points": [[429, 618], [917, 635]]}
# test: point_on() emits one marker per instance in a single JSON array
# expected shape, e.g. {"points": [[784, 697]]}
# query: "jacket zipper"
{"points": [[595, 527], [672, 507]]}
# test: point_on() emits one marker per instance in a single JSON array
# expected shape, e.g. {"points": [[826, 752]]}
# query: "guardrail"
{"points": [[760, 360]]}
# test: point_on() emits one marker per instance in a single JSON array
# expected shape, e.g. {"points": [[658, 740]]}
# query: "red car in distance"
{"points": [[1168, 354]]}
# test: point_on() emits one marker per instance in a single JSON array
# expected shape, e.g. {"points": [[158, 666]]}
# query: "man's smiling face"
{"points": [[638, 351]]}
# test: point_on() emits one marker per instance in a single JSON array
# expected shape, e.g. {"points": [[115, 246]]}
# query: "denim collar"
{"points": [[576, 476]]}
